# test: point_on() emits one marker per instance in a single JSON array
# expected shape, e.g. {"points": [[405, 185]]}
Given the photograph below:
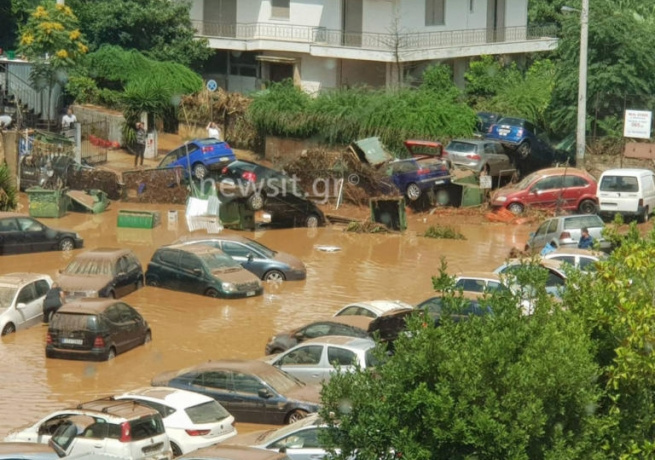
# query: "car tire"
{"points": [[111, 294], [211, 292], [295, 416], [111, 354], [66, 244], [587, 207], [152, 281], [8, 329], [516, 208], [200, 171], [274, 276], [643, 218], [147, 338], [312, 221], [413, 192], [177, 452], [256, 201], [524, 150]]}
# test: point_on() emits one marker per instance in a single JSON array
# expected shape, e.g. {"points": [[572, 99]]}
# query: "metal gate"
{"points": [[95, 142]]}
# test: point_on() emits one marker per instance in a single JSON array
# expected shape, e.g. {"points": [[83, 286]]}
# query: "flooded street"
{"points": [[189, 329]]}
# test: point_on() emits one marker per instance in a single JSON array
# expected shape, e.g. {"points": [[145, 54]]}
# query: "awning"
{"points": [[276, 59]]}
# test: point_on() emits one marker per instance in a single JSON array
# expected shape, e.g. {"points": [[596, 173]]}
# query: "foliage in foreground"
{"points": [[575, 380], [8, 192]]}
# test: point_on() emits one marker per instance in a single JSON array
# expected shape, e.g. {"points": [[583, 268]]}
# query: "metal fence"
{"points": [[95, 142]]}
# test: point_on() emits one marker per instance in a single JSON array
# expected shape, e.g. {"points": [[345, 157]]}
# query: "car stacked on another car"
{"points": [[201, 269], [192, 421], [265, 393], [267, 264], [480, 155], [20, 233], [101, 272], [95, 330], [198, 156], [524, 138], [21, 300]]}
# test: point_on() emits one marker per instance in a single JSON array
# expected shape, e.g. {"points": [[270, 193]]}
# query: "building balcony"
{"points": [[390, 47]]}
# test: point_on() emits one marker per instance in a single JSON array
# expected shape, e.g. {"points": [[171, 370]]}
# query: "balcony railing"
{"points": [[373, 41]]}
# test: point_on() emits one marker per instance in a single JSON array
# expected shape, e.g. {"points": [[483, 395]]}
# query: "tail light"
{"points": [[474, 157], [197, 432], [249, 176], [48, 339], [564, 235], [423, 171], [224, 170], [126, 435], [206, 149], [99, 342], [227, 145]]}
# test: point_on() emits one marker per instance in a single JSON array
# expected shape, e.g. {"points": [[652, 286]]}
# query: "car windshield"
{"points": [[7, 294], [208, 412], [527, 180], [88, 266], [218, 261], [512, 122], [463, 147], [280, 381], [75, 322], [262, 249], [619, 184]]}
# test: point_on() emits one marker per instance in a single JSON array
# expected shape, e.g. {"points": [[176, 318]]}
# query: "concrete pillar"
{"points": [[460, 66], [393, 74]]}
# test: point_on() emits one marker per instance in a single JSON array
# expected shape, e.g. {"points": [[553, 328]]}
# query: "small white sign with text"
{"points": [[637, 124]]}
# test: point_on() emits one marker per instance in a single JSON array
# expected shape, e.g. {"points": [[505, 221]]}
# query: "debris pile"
{"points": [[367, 226], [155, 186], [96, 179]]}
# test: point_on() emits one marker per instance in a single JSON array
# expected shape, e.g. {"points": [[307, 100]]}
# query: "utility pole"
{"points": [[582, 86]]}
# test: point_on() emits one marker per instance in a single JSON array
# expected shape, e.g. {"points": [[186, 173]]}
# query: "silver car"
{"points": [[315, 360], [565, 231], [480, 155]]}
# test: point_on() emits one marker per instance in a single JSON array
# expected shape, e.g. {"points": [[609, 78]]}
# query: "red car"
{"points": [[567, 189]]}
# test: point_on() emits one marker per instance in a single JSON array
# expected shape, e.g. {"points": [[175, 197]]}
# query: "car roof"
{"points": [[562, 170], [242, 365], [171, 396], [89, 306], [379, 306], [361, 322], [118, 408], [470, 295], [575, 252], [227, 452], [627, 172], [354, 342], [479, 275], [476, 141], [194, 248], [21, 278], [569, 216], [19, 448], [104, 253], [551, 264], [221, 237]]}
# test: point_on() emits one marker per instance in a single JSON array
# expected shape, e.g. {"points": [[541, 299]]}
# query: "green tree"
{"points": [[161, 29], [494, 386]]}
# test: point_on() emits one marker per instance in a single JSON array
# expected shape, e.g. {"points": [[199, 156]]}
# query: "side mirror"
{"points": [[264, 393], [20, 306], [197, 272], [250, 257]]}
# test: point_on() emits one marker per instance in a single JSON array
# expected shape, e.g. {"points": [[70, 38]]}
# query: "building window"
{"points": [[434, 12], [280, 9]]}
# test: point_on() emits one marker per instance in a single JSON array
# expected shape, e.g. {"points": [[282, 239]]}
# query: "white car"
{"points": [[106, 426], [583, 259], [314, 360], [479, 282], [21, 300], [192, 420], [373, 308]]}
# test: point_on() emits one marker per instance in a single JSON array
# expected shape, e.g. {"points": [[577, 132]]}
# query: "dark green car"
{"points": [[201, 269]]}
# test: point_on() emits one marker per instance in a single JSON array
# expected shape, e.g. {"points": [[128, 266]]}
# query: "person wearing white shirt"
{"points": [[68, 121], [5, 121], [213, 131]]}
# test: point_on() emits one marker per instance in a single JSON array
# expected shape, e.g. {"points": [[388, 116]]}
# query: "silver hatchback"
{"points": [[480, 155], [565, 231]]}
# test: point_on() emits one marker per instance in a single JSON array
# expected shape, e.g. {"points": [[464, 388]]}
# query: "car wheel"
{"points": [[8, 329], [255, 201], [152, 281], [515, 208], [311, 221], [211, 292], [176, 450], [112, 294], [413, 192], [111, 354], [66, 244], [643, 218], [587, 207], [524, 150], [295, 416], [274, 276], [199, 171], [147, 338]]}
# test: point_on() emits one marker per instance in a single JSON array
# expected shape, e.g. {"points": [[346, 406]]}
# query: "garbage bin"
{"points": [[236, 214], [11, 54], [390, 212], [47, 203]]}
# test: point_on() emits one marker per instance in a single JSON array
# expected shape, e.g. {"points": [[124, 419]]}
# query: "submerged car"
{"points": [[102, 272], [265, 393], [553, 271], [372, 308], [198, 156], [27, 451], [95, 330], [582, 259], [267, 264], [20, 233], [21, 300], [566, 231], [229, 452], [566, 189], [201, 269]]}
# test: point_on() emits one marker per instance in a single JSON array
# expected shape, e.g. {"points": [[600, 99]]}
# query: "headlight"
{"points": [[78, 236], [90, 293], [228, 287], [500, 198]]}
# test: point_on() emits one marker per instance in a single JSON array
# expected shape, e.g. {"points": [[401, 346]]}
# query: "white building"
{"points": [[332, 43]]}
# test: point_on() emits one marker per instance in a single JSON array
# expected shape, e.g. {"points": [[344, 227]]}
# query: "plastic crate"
{"points": [[138, 219], [47, 203]]}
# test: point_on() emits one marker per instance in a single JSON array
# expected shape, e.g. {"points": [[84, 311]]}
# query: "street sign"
{"points": [[212, 85], [637, 124]]}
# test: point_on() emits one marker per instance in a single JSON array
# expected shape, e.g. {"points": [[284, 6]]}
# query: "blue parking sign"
{"points": [[212, 85]]}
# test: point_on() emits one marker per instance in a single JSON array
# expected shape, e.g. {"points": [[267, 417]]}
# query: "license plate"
{"points": [[503, 132], [439, 182], [250, 293], [224, 158], [72, 341]]}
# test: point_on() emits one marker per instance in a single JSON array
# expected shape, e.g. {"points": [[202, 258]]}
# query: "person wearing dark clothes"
{"points": [[586, 240], [140, 144], [54, 299]]}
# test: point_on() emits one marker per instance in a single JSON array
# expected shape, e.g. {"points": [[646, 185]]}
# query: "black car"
{"points": [[20, 233], [102, 272], [47, 171], [252, 391], [95, 330]]}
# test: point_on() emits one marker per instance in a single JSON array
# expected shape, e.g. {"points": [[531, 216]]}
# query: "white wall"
{"points": [[197, 10], [318, 73], [516, 14]]}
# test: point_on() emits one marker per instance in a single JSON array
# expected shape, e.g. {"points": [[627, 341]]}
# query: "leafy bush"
{"points": [[8, 192], [83, 89], [443, 232]]}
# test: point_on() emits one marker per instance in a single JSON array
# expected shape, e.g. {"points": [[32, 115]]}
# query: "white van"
{"points": [[629, 192]]}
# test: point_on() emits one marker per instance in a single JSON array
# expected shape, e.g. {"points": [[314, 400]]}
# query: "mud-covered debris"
{"points": [[98, 179], [155, 186], [367, 226]]}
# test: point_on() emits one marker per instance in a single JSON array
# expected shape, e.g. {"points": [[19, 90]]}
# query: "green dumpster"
{"points": [[47, 203], [389, 211], [235, 214], [138, 219]]}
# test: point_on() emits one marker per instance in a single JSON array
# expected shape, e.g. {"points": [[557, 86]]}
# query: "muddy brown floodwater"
{"points": [[189, 329]]}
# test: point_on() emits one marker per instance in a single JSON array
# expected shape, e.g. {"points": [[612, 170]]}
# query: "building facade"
{"points": [[323, 44]]}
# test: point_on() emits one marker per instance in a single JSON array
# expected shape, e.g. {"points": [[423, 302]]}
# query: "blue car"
{"points": [[413, 177], [524, 138], [198, 155]]}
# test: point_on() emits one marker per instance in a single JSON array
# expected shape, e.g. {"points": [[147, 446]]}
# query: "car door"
{"points": [[306, 362], [240, 252], [340, 358], [573, 187], [29, 306], [34, 235], [404, 173], [166, 267], [191, 274], [249, 403], [217, 384], [131, 324], [492, 158], [42, 287], [117, 331], [301, 445], [539, 239], [12, 239], [44, 430], [546, 193], [93, 440], [123, 284]]}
